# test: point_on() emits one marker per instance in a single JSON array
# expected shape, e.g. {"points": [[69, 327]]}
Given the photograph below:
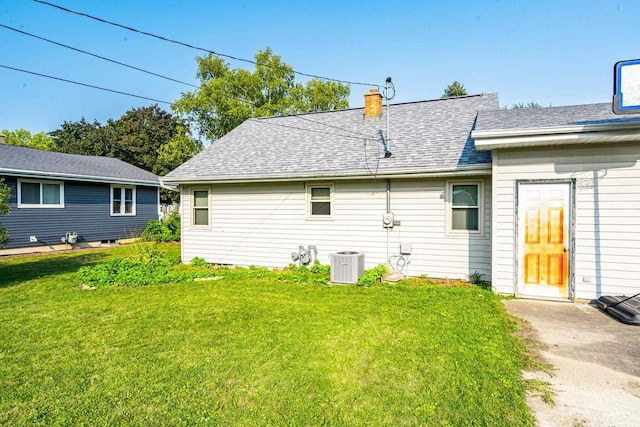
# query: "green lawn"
{"points": [[247, 350]]}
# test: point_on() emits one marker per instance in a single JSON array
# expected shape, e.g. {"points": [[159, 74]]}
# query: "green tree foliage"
{"points": [[83, 138], [227, 97], [5, 193], [454, 89], [148, 137], [24, 138], [523, 106]]}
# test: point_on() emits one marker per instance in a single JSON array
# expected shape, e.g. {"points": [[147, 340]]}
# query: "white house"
{"points": [[455, 179]]}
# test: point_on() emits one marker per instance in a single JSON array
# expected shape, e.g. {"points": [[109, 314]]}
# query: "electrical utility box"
{"points": [[405, 248], [387, 220]]}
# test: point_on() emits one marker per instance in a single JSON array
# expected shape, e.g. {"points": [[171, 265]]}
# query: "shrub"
{"points": [[167, 230], [147, 265], [199, 262], [373, 275]]}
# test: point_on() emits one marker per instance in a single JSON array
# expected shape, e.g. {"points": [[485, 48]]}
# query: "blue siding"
{"points": [[86, 212]]}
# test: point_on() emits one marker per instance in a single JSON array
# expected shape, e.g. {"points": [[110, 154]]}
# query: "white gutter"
{"points": [[558, 135], [449, 172], [72, 177]]}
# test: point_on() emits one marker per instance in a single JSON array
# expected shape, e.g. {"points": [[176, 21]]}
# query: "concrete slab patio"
{"points": [[596, 360]]}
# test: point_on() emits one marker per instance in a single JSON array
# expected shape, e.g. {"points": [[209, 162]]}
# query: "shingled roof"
{"points": [[425, 137], [29, 162], [530, 118]]}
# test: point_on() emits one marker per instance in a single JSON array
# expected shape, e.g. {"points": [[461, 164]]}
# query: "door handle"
{"points": [[565, 250]]}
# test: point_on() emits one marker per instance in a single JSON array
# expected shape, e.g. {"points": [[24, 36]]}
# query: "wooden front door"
{"points": [[543, 239]]}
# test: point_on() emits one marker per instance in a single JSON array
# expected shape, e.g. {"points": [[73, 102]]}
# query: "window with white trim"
{"points": [[123, 200], [40, 194], [320, 201], [200, 207], [465, 207]]}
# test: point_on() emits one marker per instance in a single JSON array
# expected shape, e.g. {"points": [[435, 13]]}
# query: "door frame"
{"points": [[572, 228]]}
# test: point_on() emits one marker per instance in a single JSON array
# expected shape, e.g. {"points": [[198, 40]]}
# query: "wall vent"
{"points": [[346, 266]]}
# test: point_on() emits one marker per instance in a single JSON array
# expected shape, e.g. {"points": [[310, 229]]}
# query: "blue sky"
{"points": [[550, 52]]}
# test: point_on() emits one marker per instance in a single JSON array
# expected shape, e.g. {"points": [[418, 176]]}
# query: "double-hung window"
{"points": [[200, 208], [40, 194], [123, 200], [320, 200], [465, 207]]}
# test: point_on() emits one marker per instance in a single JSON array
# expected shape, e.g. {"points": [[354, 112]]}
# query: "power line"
{"points": [[84, 84], [96, 56], [304, 129], [332, 126], [235, 58]]}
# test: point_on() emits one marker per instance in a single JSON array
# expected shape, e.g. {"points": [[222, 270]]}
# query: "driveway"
{"points": [[596, 362]]}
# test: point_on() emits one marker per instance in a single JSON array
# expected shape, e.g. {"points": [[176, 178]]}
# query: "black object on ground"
{"points": [[625, 309]]}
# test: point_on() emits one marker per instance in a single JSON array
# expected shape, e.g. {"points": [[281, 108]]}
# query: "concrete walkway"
{"points": [[596, 360]]}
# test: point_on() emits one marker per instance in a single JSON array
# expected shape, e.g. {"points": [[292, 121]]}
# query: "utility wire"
{"points": [[96, 56], [235, 58], [332, 126], [304, 129], [84, 84]]}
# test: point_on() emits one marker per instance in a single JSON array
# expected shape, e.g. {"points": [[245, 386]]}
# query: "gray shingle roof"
{"points": [[24, 161], [574, 115], [425, 136]]}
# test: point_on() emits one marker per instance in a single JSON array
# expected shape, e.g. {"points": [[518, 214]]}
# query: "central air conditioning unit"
{"points": [[346, 266]]}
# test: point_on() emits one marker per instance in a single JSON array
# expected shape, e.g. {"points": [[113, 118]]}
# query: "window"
{"points": [[200, 208], [123, 200], [320, 201], [40, 194], [465, 202]]}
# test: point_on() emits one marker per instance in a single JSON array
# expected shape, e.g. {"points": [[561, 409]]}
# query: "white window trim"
{"points": [[40, 205], [133, 195], [192, 208], [331, 201], [449, 208]]}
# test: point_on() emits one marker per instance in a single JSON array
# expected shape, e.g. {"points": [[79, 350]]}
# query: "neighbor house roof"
{"points": [[588, 123], [429, 137], [29, 162]]}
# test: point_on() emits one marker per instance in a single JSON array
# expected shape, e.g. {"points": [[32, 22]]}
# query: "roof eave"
{"points": [[559, 135], [73, 177], [483, 169]]}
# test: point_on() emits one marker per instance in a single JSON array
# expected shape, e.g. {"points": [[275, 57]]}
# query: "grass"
{"points": [[246, 350]]}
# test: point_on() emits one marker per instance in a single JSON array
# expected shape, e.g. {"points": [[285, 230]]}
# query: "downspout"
{"points": [[388, 228]]}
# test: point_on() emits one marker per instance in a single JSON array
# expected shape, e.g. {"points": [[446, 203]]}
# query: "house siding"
{"points": [[607, 225], [86, 211], [262, 224]]}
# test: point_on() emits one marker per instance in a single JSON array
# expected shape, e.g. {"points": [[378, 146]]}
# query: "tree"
{"points": [[522, 106], [227, 97], [454, 89], [147, 137], [176, 151], [24, 138], [82, 138], [5, 193]]}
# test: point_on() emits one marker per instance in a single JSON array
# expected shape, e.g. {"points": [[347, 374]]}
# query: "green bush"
{"points": [[200, 262], [318, 273], [167, 230], [373, 275], [147, 265]]}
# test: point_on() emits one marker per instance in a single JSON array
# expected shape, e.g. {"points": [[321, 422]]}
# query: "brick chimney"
{"points": [[2, 139], [372, 103]]}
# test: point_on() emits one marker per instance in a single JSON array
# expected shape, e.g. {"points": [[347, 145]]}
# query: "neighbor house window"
{"points": [[40, 194], [200, 208], [320, 200], [465, 206], [123, 200]]}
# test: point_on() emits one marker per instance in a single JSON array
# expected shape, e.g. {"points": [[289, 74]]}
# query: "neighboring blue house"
{"points": [[83, 200]]}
